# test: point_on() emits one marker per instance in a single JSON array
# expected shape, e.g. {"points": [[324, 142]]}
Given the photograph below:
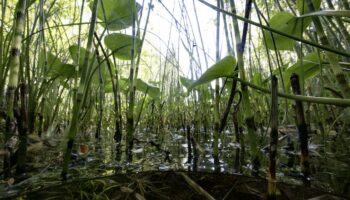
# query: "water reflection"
{"points": [[330, 170]]}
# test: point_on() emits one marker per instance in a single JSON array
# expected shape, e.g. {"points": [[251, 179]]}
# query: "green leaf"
{"points": [[144, 87], [289, 24], [223, 68], [257, 78], [186, 82], [303, 8], [74, 53], [73, 50], [124, 84], [108, 88], [65, 71], [121, 45], [116, 15], [308, 68], [331, 13], [55, 67]]}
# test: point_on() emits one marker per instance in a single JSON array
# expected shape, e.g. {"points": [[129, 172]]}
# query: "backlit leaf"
{"points": [[121, 45], [186, 82], [308, 68], [116, 15], [223, 68], [289, 24], [303, 8], [144, 87], [55, 67]]}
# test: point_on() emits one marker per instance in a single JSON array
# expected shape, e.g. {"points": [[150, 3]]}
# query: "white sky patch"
{"points": [[169, 33], [165, 34]]}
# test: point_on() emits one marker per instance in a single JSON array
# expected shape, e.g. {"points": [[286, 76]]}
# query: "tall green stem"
{"points": [[246, 106], [217, 95], [82, 92], [14, 65], [130, 115]]}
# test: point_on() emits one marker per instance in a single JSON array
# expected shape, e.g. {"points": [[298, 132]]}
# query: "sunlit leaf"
{"points": [[144, 87], [289, 24], [121, 45], [55, 67], [186, 82], [74, 52], [116, 15], [303, 8], [123, 84], [223, 68], [108, 88], [78, 54], [257, 78], [308, 68]]}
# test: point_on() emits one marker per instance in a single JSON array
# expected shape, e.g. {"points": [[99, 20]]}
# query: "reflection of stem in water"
{"points": [[239, 159], [217, 164], [290, 153], [189, 148], [195, 154]]}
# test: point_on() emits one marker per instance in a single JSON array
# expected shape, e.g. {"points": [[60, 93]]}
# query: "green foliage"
{"points": [[144, 87], [73, 50], [303, 7], [289, 24], [55, 67], [121, 45], [186, 82], [257, 78], [307, 68], [223, 68], [116, 15], [331, 13], [77, 53]]}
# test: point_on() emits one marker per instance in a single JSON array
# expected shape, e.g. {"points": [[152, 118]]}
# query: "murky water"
{"points": [[169, 151]]}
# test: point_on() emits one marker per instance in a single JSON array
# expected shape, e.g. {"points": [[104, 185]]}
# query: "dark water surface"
{"points": [[330, 161]]}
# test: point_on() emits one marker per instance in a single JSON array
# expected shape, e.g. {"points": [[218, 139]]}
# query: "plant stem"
{"points": [[14, 65], [273, 139], [303, 133], [79, 98]]}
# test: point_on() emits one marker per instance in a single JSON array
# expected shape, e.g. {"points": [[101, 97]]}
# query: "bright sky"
{"points": [[167, 31], [164, 34]]}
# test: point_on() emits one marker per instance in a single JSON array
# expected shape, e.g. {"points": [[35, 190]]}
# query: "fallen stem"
{"points": [[311, 99], [196, 187]]}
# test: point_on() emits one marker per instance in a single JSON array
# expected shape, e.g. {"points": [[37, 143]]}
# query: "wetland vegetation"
{"points": [[181, 99]]}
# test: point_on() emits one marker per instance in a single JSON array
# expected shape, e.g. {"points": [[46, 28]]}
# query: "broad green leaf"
{"points": [[108, 87], [73, 50], [64, 71], [144, 87], [289, 24], [74, 53], [121, 45], [55, 67], [223, 68], [186, 82], [124, 84], [257, 78], [308, 68], [52, 60], [303, 8], [116, 15], [331, 13]]}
